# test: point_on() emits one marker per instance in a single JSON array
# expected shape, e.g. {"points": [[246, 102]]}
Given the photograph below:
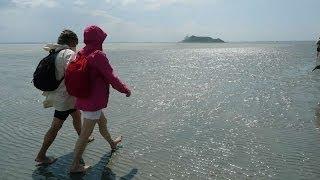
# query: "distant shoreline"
{"points": [[201, 39]]}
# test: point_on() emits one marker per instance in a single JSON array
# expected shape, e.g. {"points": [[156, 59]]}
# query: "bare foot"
{"points": [[45, 161], [79, 169], [91, 138], [115, 143]]}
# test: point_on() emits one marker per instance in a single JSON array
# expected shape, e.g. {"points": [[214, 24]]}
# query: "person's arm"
{"points": [[104, 68], [69, 56]]}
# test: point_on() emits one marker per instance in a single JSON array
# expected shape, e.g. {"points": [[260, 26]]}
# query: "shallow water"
{"points": [[198, 111]]}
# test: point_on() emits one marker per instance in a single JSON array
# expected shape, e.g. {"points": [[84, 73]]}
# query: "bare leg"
{"points": [[49, 138], [76, 116], [105, 133], [87, 128]]}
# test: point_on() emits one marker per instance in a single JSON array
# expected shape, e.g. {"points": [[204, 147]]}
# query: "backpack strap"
{"points": [[55, 54]]}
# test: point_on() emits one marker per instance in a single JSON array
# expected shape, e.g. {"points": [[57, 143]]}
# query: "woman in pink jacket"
{"points": [[101, 77]]}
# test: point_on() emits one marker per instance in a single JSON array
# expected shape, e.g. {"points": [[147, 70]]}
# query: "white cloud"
{"points": [[20, 26], [153, 4], [35, 3], [122, 30], [79, 2], [107, 16], [156, 4], [127, 2]]}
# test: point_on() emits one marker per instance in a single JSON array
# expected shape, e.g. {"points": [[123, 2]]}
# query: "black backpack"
{"points": [[44, 77]]}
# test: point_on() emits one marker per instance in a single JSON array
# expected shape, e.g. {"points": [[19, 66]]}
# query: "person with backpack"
{"points": [[49, 77], [97, 76]]}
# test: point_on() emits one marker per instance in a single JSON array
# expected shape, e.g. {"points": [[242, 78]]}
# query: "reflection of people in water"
{"points": [[100, 170], [317, 116]]}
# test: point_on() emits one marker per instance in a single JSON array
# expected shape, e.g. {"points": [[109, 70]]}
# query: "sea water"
{"points": [[197, 111]]}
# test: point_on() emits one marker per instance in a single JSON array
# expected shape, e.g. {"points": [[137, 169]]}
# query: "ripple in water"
{"points": [[200, 111]]}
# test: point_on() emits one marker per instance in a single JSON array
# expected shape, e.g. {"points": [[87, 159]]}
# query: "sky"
{"points": [[161, 20]]}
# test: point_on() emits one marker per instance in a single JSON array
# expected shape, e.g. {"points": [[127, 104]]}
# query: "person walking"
{"points": [[59, 99], [101, 76]]}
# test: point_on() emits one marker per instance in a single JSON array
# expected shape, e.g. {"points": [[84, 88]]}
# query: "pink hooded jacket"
{"points": [[101, 72]]}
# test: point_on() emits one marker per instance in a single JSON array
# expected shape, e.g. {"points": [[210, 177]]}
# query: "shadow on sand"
{"points": [[60, 170]]}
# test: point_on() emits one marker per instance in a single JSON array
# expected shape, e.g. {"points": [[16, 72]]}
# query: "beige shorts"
{"points": [[92, 115]]}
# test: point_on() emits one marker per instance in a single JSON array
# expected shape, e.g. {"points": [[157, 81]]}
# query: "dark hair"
{"points": [[67, 36]]}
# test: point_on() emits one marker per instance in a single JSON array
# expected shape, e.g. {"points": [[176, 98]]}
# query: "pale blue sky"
{"points": [[161, 20]]}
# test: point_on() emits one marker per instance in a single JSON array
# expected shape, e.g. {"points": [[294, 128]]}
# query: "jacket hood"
{"points": [[55, 47], [94, 36]]}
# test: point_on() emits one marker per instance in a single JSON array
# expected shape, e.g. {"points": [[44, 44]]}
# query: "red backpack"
{"points": [[77, 77]]}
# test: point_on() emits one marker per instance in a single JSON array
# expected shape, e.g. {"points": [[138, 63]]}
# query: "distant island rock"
{"points": [[201, 39]]}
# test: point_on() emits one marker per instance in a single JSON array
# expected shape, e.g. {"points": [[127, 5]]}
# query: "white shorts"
{"points": [[92, 115]]}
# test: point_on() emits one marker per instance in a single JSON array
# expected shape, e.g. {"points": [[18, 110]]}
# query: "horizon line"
{"points": [[45, 42]]}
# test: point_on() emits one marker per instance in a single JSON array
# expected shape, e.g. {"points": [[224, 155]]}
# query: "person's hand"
{"points": [[128, 94]]}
